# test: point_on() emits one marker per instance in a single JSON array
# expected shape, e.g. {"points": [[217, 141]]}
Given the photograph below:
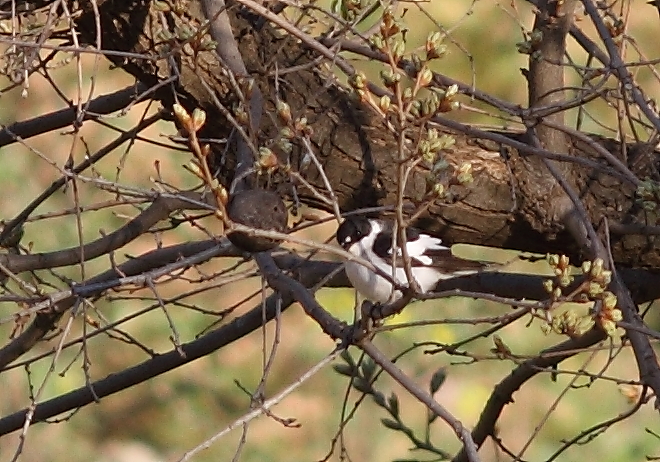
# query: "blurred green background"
{"points": [[160, 420]]}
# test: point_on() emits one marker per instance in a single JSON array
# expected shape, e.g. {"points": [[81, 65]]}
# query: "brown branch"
{"points": [[584, 233], [151, 368], [198, 348], [229, 54], [582, 230], [647, 361], [289, 287], [424, 397], [160, 209], [19, 219], [439, 80], [596, 429], [503, 392], [105, 104], [643, 284], [619, 67], [354, 181], [309, 273], [46, 320], [585, 42], [546, 74]]}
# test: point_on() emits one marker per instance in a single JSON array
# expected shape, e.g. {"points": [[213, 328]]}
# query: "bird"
{"points": [[372, 240]]}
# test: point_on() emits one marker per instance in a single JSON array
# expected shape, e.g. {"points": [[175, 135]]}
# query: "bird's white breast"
{"points": [[377, 288]]}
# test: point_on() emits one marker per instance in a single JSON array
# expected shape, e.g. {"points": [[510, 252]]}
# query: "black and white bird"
{"points": [[372, 240]]}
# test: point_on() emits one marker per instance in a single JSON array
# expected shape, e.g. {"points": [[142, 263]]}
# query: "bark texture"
{"points": [[508, 205]]}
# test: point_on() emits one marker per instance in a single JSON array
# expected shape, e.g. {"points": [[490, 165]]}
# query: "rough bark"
{"points": [[359, 154]]}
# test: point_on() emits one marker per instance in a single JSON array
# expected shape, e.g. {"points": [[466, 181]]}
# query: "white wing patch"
{"points": [[377, 288], [425, 242], [418, 247]]}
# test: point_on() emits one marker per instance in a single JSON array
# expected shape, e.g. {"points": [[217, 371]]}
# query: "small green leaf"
{"points": [[393, 401], [362, 385], [391, 424], [344, 369], [379, 398], [346, 356], [368, 368], [437, 380]]}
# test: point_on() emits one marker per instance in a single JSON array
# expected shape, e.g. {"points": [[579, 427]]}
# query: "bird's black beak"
{"points": [[345, 244]]}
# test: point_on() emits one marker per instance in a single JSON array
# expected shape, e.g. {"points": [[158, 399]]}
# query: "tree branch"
{"points": [[46, 123], [503, 392]]}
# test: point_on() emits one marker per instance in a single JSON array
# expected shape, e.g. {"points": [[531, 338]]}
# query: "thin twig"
{"points": [[264, 407], [423, 396]]}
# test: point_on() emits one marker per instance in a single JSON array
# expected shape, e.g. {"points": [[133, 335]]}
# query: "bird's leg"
{"points": [[365, 311], [369, 315], [352, 334], [380, 311]]}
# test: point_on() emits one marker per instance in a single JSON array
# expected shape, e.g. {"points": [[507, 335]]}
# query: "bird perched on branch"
{"points": [[373, 240]]}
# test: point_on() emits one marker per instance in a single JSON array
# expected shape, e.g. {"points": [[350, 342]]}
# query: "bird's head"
{"points": [[352, 230]]}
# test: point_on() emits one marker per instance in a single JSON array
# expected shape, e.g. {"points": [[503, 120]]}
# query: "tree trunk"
{"points": [[508, 205]]}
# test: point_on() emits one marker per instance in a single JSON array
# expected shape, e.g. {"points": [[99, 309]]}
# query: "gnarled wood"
{"points": [[357, 151]]}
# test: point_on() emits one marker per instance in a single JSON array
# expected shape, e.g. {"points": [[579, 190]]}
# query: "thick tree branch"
{"points": [[305, 277], [160, 209], [503, 392], [19, 219], [106, 104], [357, 154]]}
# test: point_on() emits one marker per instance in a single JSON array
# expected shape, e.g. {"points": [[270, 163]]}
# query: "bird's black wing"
{"points": [[424, 250], [446, 262]]}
